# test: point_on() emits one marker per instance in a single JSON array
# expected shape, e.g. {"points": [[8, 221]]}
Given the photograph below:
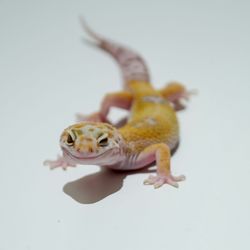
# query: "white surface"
{"points": [[47, 75]]}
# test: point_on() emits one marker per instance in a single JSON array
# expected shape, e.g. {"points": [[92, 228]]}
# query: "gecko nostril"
{"points": [[91, 149]]}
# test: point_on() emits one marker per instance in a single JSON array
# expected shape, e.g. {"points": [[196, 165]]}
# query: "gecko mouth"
{"points": [[84, 158]]}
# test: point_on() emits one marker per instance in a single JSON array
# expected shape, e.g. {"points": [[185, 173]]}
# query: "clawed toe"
{"points": [[151, 180], [179, 178], [158, 183]]}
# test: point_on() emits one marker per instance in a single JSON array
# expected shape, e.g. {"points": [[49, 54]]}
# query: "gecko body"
{"points": [[149, 135]]}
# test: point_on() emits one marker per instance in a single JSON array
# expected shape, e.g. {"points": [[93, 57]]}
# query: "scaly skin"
{"points": [[149, 135]]}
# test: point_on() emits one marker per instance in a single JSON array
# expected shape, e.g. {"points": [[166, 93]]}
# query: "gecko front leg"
{"points": [[94, 117], [60, 162], [161, 154], [121, 99]]}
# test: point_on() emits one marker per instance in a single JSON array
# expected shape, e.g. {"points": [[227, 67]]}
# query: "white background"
{"points": [[47, 74]]}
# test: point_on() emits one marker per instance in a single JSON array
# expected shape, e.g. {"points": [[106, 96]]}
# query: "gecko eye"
{"points": [[103, 140], [69, 140]]}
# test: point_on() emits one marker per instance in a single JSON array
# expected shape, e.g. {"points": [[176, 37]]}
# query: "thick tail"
{"points": [[132, 65]]}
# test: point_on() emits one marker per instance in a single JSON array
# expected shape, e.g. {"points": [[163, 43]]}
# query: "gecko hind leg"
{"points": [[161, 154], [176, 93]]}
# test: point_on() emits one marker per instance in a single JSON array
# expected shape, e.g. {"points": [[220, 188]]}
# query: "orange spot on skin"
{"points": [[110, 134], [89, 139], [90, 149], [78, 125], [81, 138]]}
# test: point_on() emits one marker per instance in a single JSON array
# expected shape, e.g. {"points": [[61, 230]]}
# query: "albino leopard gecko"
{"points": [[149, 135]]}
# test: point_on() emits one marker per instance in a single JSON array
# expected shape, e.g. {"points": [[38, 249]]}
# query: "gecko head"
{"points": [[91, 143]]}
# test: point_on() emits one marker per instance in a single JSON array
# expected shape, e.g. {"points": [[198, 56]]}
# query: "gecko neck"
{"points": [[125, 157]]}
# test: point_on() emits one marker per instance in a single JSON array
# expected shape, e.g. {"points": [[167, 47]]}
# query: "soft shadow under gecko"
{"points": [[95, 187]]}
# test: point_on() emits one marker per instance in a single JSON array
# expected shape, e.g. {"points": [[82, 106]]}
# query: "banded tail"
{"points": [[131, 63]]}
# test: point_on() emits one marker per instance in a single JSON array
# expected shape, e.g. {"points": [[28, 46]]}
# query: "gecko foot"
{"points": [[159, 180], [60, 162], [179, 99]]}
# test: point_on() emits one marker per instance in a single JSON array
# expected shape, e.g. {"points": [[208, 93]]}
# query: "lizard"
{"points": [[150, 134]]}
